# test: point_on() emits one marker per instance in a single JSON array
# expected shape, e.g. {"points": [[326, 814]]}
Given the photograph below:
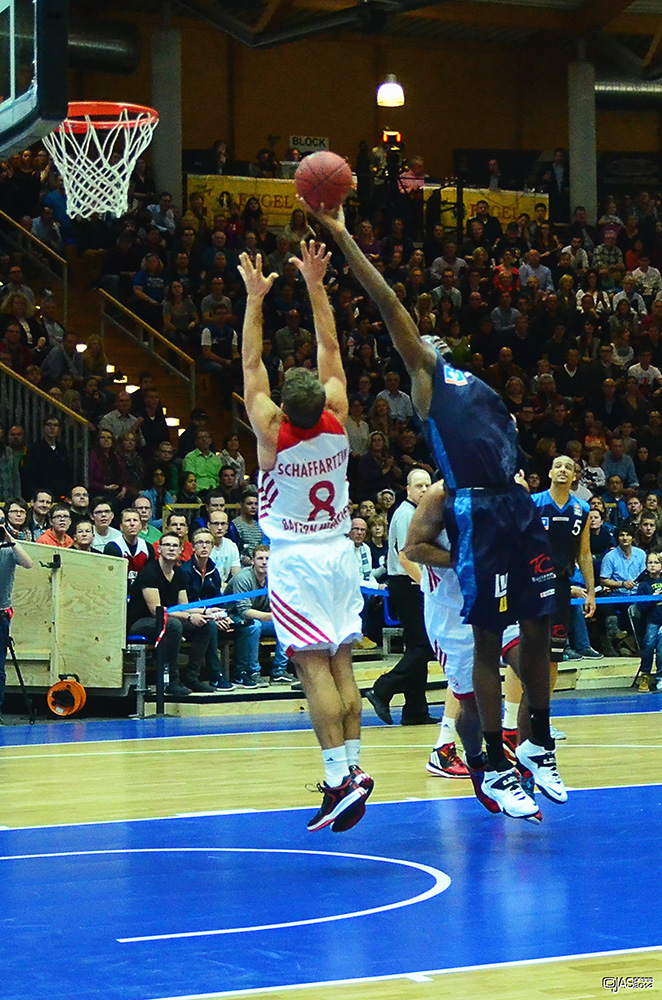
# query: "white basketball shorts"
{"points": [[315, 595]]}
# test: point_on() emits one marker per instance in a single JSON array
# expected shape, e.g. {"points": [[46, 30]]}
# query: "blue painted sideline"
{"points": [[96, 731]]}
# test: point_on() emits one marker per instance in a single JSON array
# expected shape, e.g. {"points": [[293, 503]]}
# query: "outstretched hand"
{"points": [[314, 261], [333, 218], [256, 282]]}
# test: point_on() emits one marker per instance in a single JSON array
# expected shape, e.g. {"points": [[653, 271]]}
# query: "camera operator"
{"points": [[11, 555]]}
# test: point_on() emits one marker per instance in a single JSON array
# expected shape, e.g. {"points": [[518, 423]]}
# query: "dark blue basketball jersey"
{"points": [[565, 526], [471, 432]]}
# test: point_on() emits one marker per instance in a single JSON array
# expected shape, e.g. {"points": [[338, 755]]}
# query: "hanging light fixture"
{"points": [[390, 94]]}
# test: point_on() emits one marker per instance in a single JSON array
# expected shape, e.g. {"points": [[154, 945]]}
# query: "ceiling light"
{"points": [[390, 94]]}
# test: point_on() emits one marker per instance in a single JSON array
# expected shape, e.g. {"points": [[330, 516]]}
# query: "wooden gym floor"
{"points": [[169, 858]]}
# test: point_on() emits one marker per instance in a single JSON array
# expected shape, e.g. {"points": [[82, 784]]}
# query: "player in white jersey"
{"points": [[453, 643], [314, 585]]}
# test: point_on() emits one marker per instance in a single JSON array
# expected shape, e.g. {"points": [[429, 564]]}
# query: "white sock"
{"points": [[510, 710], [335, 765], [447, 732], [353, 751]]}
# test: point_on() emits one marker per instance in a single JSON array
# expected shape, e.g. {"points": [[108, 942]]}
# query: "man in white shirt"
{"points": [[646, 374], [648, 279], [399, 402], [224, 553], [533, 268], [102, 515]]}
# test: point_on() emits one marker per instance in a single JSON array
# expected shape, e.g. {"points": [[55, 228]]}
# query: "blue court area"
{"points": [[211, 904], [84, 730]]}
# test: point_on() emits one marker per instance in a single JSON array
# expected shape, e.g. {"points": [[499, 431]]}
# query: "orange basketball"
{"points": [[323, 179]]}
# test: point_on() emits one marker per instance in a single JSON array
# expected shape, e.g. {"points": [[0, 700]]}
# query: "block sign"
{"points": [[308, 143]]}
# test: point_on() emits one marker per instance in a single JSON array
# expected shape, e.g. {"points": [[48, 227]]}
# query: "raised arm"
{"points": [[313, 264], [264, 415], [425, 527], [419, 356]]}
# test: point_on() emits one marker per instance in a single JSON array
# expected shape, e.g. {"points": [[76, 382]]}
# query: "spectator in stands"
{"points": [[121, 265], [60, 522], [229, 488], [230, 455], [219, 351], [399, 403], [148, 531], [95, 362], [47, 463], [619, 571], [16, 513], [38, 521], [13, 352], [609, 256], [203, 582], [504, 316], [153, 427], [50, 328], [224, 551], [161, 583], [254, 618], [162, 214], [83, 536], [215, 297], [630, 295], [107, 474], [120, 420], [175, 521], [149, 290], [188, 494], [180, 317], [102, 517], [63, 359], [158, 494], [16, 283], [130, 546], [79, 506], [613, 500], [202, 461], [245, 530], [376, 469], [46, 229], [134, 467], [215, 501], [617, 463], [533, 268]]}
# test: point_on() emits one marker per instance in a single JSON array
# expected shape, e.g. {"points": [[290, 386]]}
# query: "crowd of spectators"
{"points": [[563, 319]]}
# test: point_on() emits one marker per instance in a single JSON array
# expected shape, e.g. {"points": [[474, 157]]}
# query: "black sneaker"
{"points": [[221, 684], [177, 690], [200, 687], [350, 817], [336, 801], [245, 680]]}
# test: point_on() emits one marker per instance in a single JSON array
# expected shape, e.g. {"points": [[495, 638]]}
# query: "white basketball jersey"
{"points": [[306, 494], [441, 583]]}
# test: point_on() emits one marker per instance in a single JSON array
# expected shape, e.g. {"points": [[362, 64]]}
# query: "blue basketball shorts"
{"points": [[501, 555]]}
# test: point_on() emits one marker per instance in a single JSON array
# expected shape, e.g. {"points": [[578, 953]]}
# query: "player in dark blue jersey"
{"points": [[498, 546], [565, 518]]}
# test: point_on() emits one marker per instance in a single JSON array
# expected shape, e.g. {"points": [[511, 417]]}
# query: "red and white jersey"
{"points": [[306, 494]]}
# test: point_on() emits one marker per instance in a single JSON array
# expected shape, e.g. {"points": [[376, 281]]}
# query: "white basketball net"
{"points": [[92, 182]]}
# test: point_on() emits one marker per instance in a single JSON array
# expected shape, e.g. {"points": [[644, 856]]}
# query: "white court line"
{"points": [[294, 809], [428, 973], [441, 883], [267, 732], [379, 747]]}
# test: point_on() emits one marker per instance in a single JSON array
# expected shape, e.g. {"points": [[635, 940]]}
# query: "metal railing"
{"points": [[24, 404], [150, 340], [40, 256], [238, 412]]}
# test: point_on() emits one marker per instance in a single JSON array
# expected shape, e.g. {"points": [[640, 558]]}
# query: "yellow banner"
{"points": [[276, 197], [505, 205]]}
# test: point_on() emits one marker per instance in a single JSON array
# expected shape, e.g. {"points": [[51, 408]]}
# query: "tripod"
{"points": [[28, 700]]}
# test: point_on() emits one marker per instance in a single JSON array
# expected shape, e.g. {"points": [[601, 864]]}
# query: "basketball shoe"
{"points": [[335, 801], [542, 764], [350, 817], [477, 774], [504, 788], [445, 762]]}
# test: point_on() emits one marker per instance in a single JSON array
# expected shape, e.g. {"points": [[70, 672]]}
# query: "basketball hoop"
{"points": [[95, 149]]}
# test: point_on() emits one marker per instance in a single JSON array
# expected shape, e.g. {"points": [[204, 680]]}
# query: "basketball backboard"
{"points": [[33, 70]]}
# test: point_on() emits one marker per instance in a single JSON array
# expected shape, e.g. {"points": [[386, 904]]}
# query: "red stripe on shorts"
{"points": [[302, 623]]}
